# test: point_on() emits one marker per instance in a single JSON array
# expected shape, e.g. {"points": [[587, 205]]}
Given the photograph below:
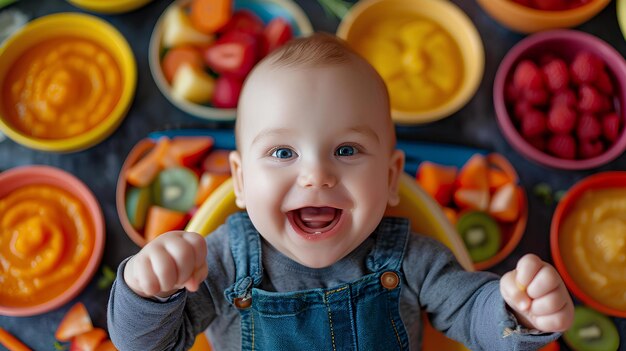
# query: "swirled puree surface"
{"points": [[593, 245], [61, 87], [46, 239]]}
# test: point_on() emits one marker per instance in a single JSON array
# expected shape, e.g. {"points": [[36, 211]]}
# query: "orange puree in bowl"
{"points": [[46, 238], [593, 245], [61, 87], [418, 59]]}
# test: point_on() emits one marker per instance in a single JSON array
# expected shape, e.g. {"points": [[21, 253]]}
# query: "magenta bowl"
{"points": [[565, 43]]}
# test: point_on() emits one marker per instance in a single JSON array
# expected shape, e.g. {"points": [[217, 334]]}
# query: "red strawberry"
{"points": [[562, 145], [533, 124], [527, 76], [611, 126], [590, 148], [234, 58], [590, 99], [588, 128], [275, 34], [586, 67], [556, 74], [604, 83], [245, 21], [551, 5], [566, 96], [226, 92], [561, 119]]}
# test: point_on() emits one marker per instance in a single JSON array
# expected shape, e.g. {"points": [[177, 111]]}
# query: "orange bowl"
{"points": [[20, 177], [565, 208], [524, 19]]}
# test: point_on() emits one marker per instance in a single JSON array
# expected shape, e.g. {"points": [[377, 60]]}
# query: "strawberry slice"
{"points": [[234, 58], [75, 322], [186, 151], [227, 90], [275, 34], [88, 341], [244, 21]]}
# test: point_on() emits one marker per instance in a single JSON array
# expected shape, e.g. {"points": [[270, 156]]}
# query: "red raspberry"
{"points": [[533, 124], [556, 74], [562, 145], [538, 142], [590, 148], [521, 108], [604, 83], [586, 67], [590, 99], [588, 128], [537, 96], [511, 94], [611, 126], [566, 97], [527, 76], [551, 5], [561, 119]]}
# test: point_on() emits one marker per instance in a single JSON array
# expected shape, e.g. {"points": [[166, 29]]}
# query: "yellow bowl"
{"points": [[524, 19], [109, 6], [425, 214], [70, 25], [621, 16], [364, 14], [265, 9]]}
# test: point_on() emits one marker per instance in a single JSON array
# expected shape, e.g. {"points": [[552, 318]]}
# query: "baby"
{"points": [[313, 264]]}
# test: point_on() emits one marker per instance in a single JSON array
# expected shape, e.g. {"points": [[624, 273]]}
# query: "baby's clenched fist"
{"points": [[172, 261]]}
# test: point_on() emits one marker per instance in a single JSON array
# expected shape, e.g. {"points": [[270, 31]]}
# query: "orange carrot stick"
{"points": [[11, 342]]}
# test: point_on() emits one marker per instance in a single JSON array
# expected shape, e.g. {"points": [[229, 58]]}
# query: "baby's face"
{"points": [[316, 166]]}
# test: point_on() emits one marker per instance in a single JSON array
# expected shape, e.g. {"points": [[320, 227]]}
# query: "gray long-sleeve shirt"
{"points": [[466, 306]]}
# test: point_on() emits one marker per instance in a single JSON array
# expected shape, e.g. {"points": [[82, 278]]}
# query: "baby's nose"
{"points": [[317, 176]]}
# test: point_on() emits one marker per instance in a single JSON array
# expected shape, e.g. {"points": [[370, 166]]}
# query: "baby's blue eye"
{"points": [[282, 153], [346, 150]]}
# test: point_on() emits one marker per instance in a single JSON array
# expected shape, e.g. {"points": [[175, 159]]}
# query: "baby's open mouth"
{"points": [[315, 220]]}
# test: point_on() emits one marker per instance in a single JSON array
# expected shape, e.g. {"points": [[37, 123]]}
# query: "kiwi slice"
{"points": [[137, 202], [175, 189], [480, 233], [591, 331]]}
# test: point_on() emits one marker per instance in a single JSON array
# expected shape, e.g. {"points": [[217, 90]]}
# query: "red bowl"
{"points": [[566, 44], [15, 178], [602, 180]]}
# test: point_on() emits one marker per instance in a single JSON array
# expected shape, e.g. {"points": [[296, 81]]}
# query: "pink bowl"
{"points": [[565, 43], [21, 176]]}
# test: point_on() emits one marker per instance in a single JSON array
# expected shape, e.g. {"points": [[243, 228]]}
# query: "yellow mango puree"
{"points": [[593, 245], [61, 87], [46, 238], [418, 59]]}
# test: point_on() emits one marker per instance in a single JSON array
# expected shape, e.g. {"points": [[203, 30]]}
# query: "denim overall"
{"points": [[360, 315]]}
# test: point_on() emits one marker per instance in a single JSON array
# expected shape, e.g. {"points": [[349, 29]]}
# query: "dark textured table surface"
{"points": [[98, 166]]}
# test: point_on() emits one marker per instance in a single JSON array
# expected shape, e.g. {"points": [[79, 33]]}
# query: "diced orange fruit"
{"points": [[107, 345], [208, 16], [451, 214], [208, 183], [186, 151], [497, 178], [474, 199], [75, 322], [143, 172], [161, 220], [437, 180], [504, 204], [88, 341], [473, 174]]}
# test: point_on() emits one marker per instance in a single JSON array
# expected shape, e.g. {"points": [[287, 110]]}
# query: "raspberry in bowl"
{"points": [[559, 98]]}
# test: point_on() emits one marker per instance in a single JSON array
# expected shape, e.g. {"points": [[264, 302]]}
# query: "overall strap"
{"points": [[245, 246], [392, 236]]}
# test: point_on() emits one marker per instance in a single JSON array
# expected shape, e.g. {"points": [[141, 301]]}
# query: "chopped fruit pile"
{"points": [[479, 199], [209, 50], [167, 185], [566, 109], [553, 5], [418, 59], [76, 327]]}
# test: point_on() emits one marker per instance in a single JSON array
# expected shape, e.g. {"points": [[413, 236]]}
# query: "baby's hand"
{"points": [[168, 263], [537, 295]]}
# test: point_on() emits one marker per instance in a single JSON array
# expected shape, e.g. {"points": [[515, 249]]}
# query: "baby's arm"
{"points": [[537, 296], [172, 261]]}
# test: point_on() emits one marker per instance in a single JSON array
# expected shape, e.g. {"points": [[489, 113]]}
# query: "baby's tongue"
{"points": [[317, 217]]}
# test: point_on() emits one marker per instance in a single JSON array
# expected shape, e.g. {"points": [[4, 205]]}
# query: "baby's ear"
{"points": [[396, 167], [235, 169]]}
